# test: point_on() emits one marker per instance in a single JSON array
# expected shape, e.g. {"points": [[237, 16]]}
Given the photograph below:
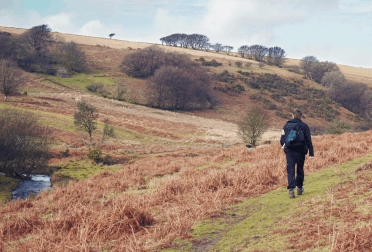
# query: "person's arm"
{"points": [[308, 141], [282, 140]]}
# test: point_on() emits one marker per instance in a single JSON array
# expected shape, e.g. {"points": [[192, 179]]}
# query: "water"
{"points": [[37, 184]]}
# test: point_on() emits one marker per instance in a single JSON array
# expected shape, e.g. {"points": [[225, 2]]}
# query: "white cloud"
{"points": [[95, 28]]}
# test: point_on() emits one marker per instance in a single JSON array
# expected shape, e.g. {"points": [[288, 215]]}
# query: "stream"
{"points": [[37, 184]]}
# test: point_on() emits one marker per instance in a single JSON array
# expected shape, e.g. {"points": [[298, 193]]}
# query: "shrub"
{"points": [[238, 63], [338, 127], [24, 143], [95, 154], [248, 64], [316, 130], [213, 63], [65, 153], [254, 124], [94, 86]]}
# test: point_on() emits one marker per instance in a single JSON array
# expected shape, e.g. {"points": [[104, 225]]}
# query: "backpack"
{"points": [[293, 135]]}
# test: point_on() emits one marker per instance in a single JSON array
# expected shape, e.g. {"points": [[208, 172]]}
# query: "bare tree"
{"points": [[228, 49], [258, 52], [85, 117], [253, 125], [33, 53], [10, 78], [276, 56], [37, 37], [143, 63], [6, 45], [243, 50], [24, 143], [307, 64], [321, 68], [111, 35], [217, 47], [333, 79], [261, 64], [73, 58]]}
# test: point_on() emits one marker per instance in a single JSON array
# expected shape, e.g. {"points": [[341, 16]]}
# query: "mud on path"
{"points": [[209, 129]]}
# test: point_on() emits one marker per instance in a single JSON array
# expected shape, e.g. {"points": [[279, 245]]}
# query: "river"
{"points": [[37, 184]]}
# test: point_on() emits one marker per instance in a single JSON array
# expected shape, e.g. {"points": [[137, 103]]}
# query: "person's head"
{"points": [[297, 113]]}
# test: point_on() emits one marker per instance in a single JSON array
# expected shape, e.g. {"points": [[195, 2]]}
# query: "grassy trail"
{"points": [[255, 225]]}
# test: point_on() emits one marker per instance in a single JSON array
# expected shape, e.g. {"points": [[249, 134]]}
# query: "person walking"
{"points": [[296, 142]]}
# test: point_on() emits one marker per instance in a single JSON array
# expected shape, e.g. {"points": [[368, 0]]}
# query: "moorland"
{"points": [[183, 179]]}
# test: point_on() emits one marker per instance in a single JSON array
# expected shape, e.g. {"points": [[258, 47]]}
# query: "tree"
{"points": [[254, 124], [238, 63], [276, 56], [228, 49], [111, 35], [307, 64], [261, 64], [321, 68], [73, 58], [243, 50], [6, 45], [11, 79], [32, 49], [144, 62], [333, 79], [258, 52], [37, 37], [24, 143], [85, 117], [108, 130], [217, 47]]}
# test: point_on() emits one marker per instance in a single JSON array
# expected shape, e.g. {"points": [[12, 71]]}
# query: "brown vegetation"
{"points": [[104, 211]]}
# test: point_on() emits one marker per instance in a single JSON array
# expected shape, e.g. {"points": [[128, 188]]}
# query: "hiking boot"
{"points": [[300, 190], [291, 194]]}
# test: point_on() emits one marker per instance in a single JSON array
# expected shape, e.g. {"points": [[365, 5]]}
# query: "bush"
{"points": [[338, 127], [95, 154], [238, 63], [316, 130], [213, 63], [24, 143], [248, 64], [65, 153], [94, 86], [180, 88]]}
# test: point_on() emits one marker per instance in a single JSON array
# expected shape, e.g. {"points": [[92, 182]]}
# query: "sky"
{"points": [[331, 30]]}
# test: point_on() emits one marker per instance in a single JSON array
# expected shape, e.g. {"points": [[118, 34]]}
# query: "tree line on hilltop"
{"points": [[273, 55]]}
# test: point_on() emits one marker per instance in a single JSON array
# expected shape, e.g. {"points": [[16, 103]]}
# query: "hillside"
{"points": [[105, 56], [181, 180]]}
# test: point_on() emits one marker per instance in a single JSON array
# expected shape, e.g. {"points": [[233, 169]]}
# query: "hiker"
{"points": [[296, 142]]}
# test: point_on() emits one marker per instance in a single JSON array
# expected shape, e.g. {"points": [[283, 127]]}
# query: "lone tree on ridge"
{"points": [[111, 35]]}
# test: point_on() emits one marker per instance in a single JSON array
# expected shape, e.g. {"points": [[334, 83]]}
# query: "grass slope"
{"points": [[252, 225]]}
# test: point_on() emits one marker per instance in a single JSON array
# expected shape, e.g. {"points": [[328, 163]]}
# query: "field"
{"points": [[185, 180]]}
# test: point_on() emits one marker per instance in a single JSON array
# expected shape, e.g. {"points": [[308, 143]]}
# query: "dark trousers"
{"points": [[294, 158]]}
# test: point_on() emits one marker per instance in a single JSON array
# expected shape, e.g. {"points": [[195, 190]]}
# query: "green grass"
{"points": [[7, 185], [81, 80], [249, 226], [82, 169]]}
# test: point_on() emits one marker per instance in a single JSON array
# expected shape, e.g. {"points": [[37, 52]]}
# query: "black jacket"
{"points": [[308, 144]]}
